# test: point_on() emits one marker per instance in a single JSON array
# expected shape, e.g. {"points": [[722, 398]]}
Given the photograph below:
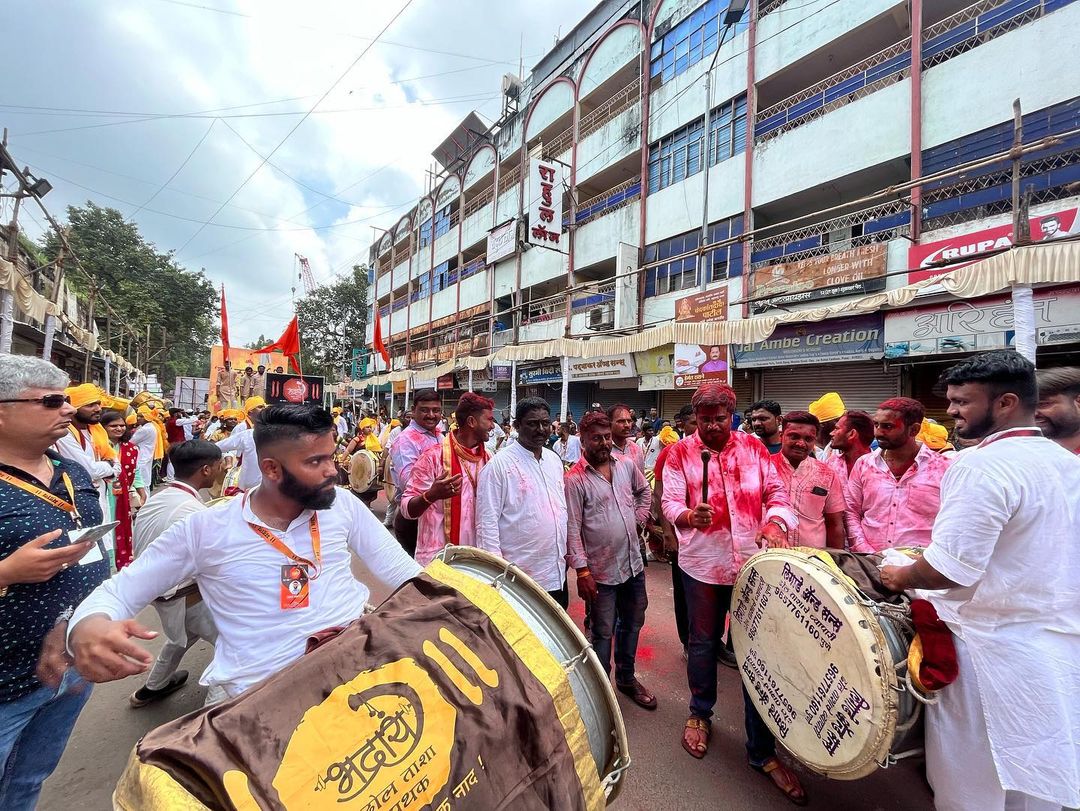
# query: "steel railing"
{"points": [[622, 101]]}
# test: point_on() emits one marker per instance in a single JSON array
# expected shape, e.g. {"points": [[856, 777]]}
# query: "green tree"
{"points": [[259, 342], [147, 288], [333, 320]]}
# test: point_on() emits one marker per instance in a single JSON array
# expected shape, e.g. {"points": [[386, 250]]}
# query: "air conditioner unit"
{"points": [[602, 317], [512, 86]]}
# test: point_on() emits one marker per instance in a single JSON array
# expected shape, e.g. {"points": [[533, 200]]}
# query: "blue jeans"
{"points": [[34, 730], [707, 604], [619, 612]]}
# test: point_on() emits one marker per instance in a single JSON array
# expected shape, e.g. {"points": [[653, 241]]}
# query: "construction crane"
{"points": [[305, 275]]}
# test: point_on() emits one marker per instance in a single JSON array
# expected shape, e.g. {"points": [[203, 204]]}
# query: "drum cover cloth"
{"points": [[815, 663], [441, 699]]}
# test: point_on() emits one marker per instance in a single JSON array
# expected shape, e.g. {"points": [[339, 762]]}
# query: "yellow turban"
{"points": [[367, 422], [395, 423], [934, 436], [829, 407], [130, 419], [251, 403], [372, 444], [231, 414], [145, 412], [668, 435], [83, 395], [335, 410]]}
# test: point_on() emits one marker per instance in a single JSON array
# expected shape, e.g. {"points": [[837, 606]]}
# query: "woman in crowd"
{"points": [[127, 491]]}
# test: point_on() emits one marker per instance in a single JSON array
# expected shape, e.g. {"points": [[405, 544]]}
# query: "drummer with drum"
{"points": [[726, 501]]}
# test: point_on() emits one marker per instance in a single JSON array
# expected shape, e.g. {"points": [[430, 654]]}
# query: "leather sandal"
{"points": [[638, 694], [784, 779], [702, 725]]}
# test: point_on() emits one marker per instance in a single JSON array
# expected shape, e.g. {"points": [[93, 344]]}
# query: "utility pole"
{"points": [[90, 328], [7, 298], [1023, 301], [58, 286]]}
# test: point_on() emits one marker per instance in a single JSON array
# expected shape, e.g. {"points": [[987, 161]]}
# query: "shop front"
{"points": [[800, 362]]}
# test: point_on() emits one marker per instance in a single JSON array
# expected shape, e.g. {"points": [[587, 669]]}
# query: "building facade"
{"points": [[673, 125]]}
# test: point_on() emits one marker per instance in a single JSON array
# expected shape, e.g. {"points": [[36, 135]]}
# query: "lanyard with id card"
{"points": [[295, 577]]}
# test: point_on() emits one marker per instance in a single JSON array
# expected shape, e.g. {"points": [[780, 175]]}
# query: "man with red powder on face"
{"points": [[747, 508]]}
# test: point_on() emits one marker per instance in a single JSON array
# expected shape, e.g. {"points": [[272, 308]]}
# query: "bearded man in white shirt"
{"points": [[272, 566], [521, 502], [1002, 572]]}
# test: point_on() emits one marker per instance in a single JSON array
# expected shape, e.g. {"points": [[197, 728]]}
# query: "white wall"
{"points": [[797, 29], [474, 290], [543, 330], [446, 246], [623, 45], [419, 314], [857, 136], [401, 274], [506, 277], [444, 303], [556, 100], [610, 143], [971, 92], [540, 264], [482, 164], [476, 226], [683, 98], [508, 204], [398, 322], [677, 209], [599, 238]]}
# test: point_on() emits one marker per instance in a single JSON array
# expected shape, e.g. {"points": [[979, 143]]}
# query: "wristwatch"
{"points": [[779, 522]]}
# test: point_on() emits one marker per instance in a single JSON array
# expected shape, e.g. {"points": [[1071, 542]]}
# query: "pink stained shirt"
{"points": [[815, 491], [408, 446], [743, 485], [882, 512], [631, 452], [430, 530]]}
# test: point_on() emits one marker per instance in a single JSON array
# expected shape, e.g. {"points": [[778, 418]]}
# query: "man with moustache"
{"points": [[851, 440], [85, 443], [622, 443], [422, 433], [272, 566], [1058, 412], [816, 494]]}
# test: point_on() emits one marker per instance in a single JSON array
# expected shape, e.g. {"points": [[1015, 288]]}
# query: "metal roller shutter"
{"points": [[744, 390], [640, 401], [671, 401], [861, 385]]}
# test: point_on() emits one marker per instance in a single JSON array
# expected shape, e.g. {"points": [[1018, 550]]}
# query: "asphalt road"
{"points": [[662, 776]]}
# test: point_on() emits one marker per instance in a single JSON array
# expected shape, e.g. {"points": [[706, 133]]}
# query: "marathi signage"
{"points": [[606, 368], [980, 325], [501, 242], [282, 388], [445, 382], [853, 272], [502, 372], [926, 260], [861, 337], [545, 204], [696, 364], [548, 373]]}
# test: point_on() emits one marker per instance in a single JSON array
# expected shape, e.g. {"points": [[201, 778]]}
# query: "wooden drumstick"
{"points": [[705, 457]]}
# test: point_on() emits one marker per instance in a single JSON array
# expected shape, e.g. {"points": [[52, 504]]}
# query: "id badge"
{"points": [[294, 587]]}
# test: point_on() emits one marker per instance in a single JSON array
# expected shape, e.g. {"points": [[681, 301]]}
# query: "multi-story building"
{"points": [[811, 107]]}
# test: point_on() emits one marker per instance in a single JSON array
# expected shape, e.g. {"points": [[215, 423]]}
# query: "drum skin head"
{"points": [[815, 663]]}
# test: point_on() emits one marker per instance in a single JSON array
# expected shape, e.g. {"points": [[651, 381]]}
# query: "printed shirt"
{"points": [[815, 491], [430, 531], [602, 520], [30, 610], [239, 577], [521, 513], [743, 485], [406, 449], [1006, 535], [883, 512], [631, 452]]}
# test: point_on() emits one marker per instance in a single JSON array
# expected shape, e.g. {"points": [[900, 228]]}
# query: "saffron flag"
{"points": [[377, 342], [288, 344], [224, 325]]}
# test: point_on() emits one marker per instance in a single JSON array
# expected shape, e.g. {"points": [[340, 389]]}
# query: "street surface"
{"points": [[662, 776]]}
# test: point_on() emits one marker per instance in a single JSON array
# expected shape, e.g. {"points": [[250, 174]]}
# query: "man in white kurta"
{"points": [[145, 441], [1006, 733], [521, 503]]}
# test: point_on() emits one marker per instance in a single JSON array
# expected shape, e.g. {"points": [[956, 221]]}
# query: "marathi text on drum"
{"points": [[780, 709]]}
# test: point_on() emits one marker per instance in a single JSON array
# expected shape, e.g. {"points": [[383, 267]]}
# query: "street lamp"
{"points": [[38, 186]]}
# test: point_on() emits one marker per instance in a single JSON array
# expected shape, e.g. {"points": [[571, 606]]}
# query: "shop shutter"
{"points": [[861, 385], [640, 401], [671, 401]]}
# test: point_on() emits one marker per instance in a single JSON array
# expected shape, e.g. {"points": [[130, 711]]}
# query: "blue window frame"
{"points": [[677, 156], [425, 234], [691, 40], [442, 221]]}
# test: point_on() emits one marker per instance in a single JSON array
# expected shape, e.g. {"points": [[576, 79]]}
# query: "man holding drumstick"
{"points": [[726, 501]]}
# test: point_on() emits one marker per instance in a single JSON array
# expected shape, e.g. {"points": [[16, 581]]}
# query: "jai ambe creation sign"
{"points": [[861, 337]]}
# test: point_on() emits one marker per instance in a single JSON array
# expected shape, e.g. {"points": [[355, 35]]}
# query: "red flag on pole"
{"points": [[224, 325], [377, 342], [288, 344]]}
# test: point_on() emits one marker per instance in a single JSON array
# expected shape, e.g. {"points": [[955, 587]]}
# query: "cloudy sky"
{"points": [[164, 109]]}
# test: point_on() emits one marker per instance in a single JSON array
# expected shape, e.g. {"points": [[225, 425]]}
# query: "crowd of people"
{"points": [[592, 500]]}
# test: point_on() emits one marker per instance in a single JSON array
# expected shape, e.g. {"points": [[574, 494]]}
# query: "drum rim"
{"points": [[450, 552], [880, 745]]}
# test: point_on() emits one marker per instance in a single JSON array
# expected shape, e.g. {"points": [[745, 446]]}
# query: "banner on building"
{"points": [[980, 325], [545, 204], [605, 368], [281, 388], [547, 373], [923, 260], [626, 286], [846, 273], [502, 372], [445, 382], [696, 364], [656, 361], [861, 337], [501, 242]]}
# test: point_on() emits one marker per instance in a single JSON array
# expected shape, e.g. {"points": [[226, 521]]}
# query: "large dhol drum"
{"points": [[825, 662], [467, 688]]}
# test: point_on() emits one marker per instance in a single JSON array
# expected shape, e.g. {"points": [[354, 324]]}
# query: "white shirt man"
{"points": [[238, 574], [494, 436], [521, 513], [650, 448], [569, 449], [242, 443], [144, 438]]}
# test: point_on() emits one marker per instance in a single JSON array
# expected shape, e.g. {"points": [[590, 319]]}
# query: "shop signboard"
{"points": [[283, 388], [547, 373], [846, 273], [501, 242], [696, 364], [978, 325], [545, 204], [501, 372], [923, 259], [860, 337], [604, 368], [445, 382], [655, 361]]}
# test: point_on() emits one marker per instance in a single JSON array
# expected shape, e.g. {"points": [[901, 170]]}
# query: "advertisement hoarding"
{"points": [[847, 273], [696, 364]]}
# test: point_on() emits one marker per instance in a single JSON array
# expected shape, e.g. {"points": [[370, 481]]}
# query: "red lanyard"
{"points": [[282, 547], [1015, 432]]}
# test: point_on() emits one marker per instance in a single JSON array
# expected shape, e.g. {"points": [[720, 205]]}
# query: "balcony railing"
{"points": [[875, 224], [473, 267], [768, 6], [617, 197], [594, 296], [401, 254], [979, 23], [547, 309], [478, 201], [623, 100], [510, 179], [559, 144], [883, 68]]}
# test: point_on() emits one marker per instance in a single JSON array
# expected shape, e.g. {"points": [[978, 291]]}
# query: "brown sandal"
{"points": [[638, 694], [702, 725], [784, 779]]}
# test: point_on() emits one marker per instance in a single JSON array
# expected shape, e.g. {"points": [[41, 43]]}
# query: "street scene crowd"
{"points": [[238, 527]]}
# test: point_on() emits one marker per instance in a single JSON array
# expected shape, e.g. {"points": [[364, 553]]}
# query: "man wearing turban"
{"points": [[86, 443], [829, 409], [145, 440]]}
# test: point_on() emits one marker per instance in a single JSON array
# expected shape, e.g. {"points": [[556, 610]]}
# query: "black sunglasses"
{"points": [[53, 401]]}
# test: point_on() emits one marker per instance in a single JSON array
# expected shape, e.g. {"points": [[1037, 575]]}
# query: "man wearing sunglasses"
{"points": [[42, 497]]}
